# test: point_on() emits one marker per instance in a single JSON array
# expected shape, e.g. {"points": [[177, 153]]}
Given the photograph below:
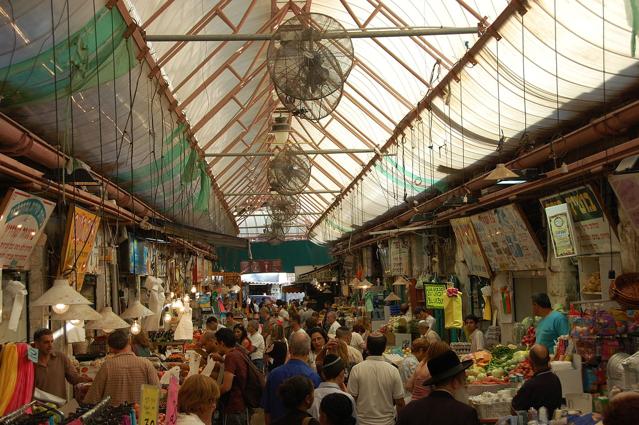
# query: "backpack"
{"points": [[255, 383]]}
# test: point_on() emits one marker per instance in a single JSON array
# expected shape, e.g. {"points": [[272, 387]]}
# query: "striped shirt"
{"points": [[122, 377]]}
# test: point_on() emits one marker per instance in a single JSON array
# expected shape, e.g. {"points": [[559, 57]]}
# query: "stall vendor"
{"points": [[475, 335], [543, 389], [53, 369], [552, 325]]}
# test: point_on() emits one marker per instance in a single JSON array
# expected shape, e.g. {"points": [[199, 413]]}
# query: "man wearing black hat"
{"points": [[448, 377]]}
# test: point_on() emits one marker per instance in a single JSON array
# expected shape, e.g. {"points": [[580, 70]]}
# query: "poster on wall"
{"points": [[261, 266], [593, 232], [399, 253], [561, 231], [626, 187], [470, 246], [507, 241], [434, 295], [138, 257], [82, 228], [21, 224]]}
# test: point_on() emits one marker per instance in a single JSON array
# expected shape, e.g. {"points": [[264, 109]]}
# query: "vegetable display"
{"points": [[498, 366]]}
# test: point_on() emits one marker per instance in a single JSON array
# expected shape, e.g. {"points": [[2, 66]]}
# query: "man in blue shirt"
{"points": [[298, 348], [552, 325]]}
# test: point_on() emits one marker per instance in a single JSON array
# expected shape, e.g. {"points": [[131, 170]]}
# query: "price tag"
{"points": [[171, 402], [32, 354], [435, 295], [150, 404]]}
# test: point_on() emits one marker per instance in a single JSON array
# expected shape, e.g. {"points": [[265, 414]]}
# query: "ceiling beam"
{"points": [[306, 152], [304, 192], [157, 13]]}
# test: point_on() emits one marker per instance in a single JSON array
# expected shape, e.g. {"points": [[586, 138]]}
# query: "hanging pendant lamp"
{"points": [[109, 321], [60, 297], [78, 312], [392, 297], [400, 281], [501, 172], [136, 311]]}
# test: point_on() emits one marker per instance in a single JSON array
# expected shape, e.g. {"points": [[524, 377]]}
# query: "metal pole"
{"points": [[307, 152], [302, 213], [306, 192], [352, 33]]}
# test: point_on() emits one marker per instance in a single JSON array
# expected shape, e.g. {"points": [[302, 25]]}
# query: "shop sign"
{"points": [[82, 228], [261, 266], [626, 187], [561, 231], [593, 232], [399, 254], [21, 223], [507, 241], [470, 246], [435, 295], [149, 405]]}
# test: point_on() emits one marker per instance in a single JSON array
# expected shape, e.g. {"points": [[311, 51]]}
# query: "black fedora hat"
{"points": [[445, 366]]}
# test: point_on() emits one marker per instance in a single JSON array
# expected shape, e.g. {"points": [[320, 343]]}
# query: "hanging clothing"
{"points": [[8, 375], [24, 386], [156, 303]]}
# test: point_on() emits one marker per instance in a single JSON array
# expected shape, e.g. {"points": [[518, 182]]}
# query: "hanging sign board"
{"points": [[626, 187], [434, 295], [82, 228], [138, 257], [471, 248], [399, 255], [561, 231], [149, 405], [507, 241], [261, 266], [22, 220], [593, 233]]}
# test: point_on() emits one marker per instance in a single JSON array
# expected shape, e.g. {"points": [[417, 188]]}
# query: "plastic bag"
{"points": [[453, 312]]}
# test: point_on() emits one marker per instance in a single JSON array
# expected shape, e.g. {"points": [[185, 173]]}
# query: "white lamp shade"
{"points": [[354, 282], [78, 312], [136, 310], [109, 320], [364, 284], [60, 293], [235, 288], [501, 172], [400, 281], [392, 297]]}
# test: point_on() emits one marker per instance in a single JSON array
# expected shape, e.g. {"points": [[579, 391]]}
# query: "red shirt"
{"points": [[235, 363]]}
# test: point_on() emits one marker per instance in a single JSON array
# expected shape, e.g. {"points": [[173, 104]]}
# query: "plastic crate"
{"points": [[494, 410]]}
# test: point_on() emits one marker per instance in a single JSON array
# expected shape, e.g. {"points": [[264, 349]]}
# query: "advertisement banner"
{"points": [[471, 248], [593, 233], [507, 241], [139, 258], [435, 295], [82, 228], [261, 266], [561, 231], [21, 224]]}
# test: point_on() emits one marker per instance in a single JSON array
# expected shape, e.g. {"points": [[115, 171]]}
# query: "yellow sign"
{"points": [[149, 405], [434, 295], [82, 228]]}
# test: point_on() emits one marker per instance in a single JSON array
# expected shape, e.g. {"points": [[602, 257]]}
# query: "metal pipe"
{"points": [[352, 33], [302, 213], [307, 152], [306, 192]]}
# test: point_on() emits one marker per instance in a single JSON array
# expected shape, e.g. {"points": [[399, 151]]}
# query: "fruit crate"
{"points": [[461, 348], [493, 410]]}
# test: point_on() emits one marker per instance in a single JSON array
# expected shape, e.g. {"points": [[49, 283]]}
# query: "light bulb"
{"points": [[186, 299], [167, 317], [60, 308], [76, 322], [175, 303], [172, 294], [193, 289], [135, 328], [107, 331]]}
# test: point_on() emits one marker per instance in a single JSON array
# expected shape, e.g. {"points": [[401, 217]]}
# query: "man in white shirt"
{"points": [[354, 356], [475, 335], [333, 324], [257, 344], [296, 325], [376, 386]]}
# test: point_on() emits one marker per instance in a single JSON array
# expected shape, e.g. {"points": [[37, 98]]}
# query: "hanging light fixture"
{"points": [[136, 328], [78, 313], [235, 288], [501, 172], [167, 317], [392, 297], [280, 130], [136, 311], [186, 299], [400, 281], [193, 289], [60, 297], [109, 321]]}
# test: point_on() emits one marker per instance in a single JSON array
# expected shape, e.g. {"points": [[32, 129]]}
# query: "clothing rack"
{"points": [[96, 409], [16, 414]]}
